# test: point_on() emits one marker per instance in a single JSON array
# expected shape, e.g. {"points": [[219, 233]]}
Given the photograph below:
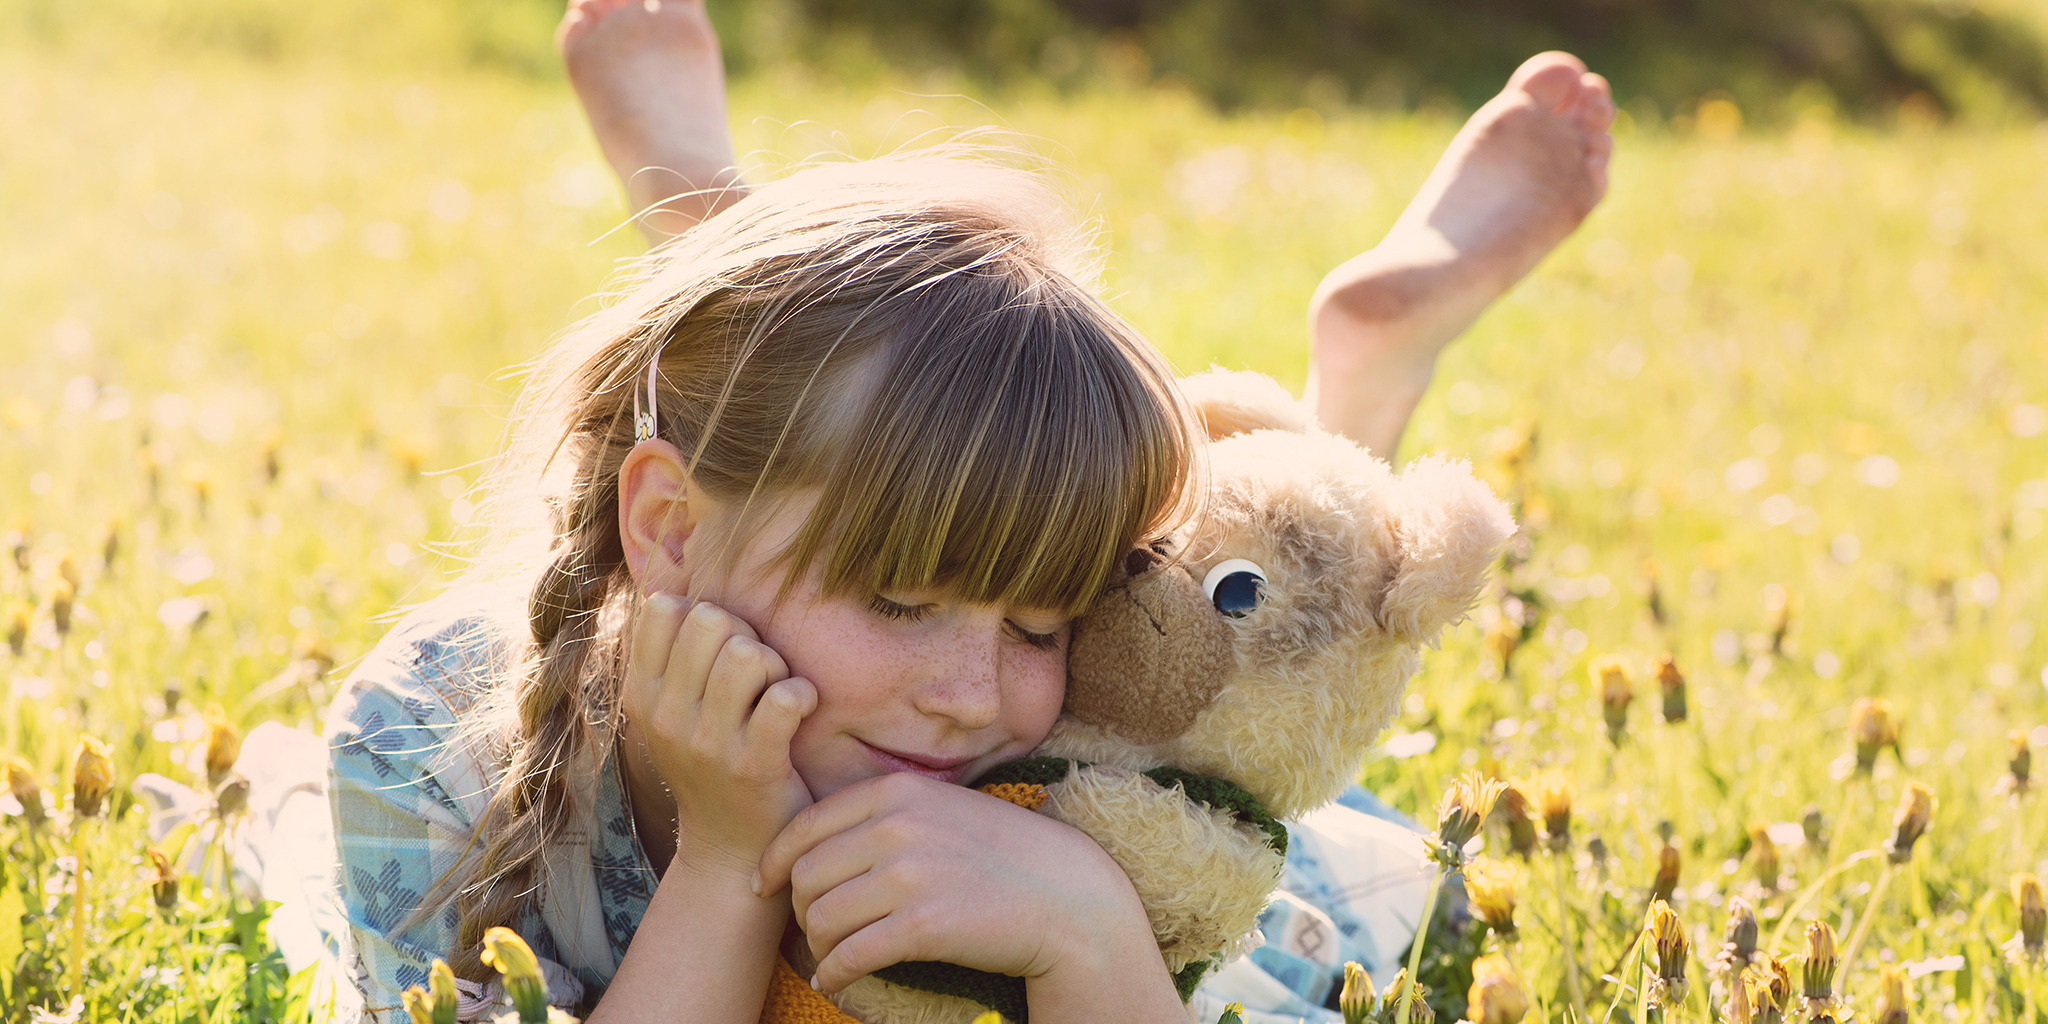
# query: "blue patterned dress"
{"points": [[406, 799]]}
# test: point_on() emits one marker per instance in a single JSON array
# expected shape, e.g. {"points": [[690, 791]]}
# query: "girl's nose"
{"points": [[964, 679]]}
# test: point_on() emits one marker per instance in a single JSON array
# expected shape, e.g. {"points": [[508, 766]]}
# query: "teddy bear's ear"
{"points": [[1447, 527], [1239, 402]]}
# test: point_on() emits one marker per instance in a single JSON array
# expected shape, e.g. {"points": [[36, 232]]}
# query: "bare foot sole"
{"points": [[652, 83], [1519, 177]]}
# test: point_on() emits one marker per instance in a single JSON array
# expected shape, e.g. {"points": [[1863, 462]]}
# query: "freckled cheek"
{"points": [[1033, 700]]}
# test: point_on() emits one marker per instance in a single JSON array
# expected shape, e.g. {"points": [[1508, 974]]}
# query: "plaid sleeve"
{"points": [[405, 802]]}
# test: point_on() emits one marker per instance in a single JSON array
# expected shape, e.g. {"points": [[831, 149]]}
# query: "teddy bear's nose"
{"points": [[1140, 561]]}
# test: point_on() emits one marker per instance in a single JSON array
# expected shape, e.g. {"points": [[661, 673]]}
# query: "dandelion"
{"points": [[1814, 826], [27, 789], [506, 951], [2030, 945], [1667, 938], [1513, 808], [18, 544], [1672, 683], [231, 798], [1616, 691], [1741, 1008], [1775, 985], [1655, 598], [1459, 814], [2019, 766], [1554, 801], [1738, 942], [1779, 603], [62, 594], [17, 631], [1892, 996], [1357, 1000], [67, 570], [1766, 853], [1910, 822], [1402, 993], [1668, 864], [1503, 639], [1817, 973], [1872, 724], [1496, 996], [111, 547], [436, 1003], [223, 746], [1493, 887], [1761, 994], [92, 777], [164, 888]]}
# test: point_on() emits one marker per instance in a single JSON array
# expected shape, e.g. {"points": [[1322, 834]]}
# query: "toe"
{"points": [[1595, 104], [1552, 78]]}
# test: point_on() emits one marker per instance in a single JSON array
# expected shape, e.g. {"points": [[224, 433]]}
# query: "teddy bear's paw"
{"points": [[878, 1002], [1202, 875]]}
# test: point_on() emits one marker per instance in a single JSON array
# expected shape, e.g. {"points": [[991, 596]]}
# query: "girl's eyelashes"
{"points": [[896, 611]]}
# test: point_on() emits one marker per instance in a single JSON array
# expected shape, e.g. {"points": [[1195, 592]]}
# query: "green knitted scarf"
{"points": [[1005, 994]]}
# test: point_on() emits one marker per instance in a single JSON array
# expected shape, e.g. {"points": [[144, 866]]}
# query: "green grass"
{"points": [[1807, 365]]}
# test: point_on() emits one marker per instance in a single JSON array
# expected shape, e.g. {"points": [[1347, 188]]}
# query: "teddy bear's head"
{"points": [[1271, 640]]}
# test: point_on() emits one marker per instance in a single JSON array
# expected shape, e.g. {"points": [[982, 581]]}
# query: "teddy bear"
{"points": [[1234, 675]]}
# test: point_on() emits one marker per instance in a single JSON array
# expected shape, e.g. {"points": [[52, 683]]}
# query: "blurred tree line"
{"points": [[1773, 58]]}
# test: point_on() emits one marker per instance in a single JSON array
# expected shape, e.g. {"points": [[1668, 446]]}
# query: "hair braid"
{"points": [[567, 691]]}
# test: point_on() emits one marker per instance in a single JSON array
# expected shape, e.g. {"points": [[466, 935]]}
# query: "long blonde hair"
{"points": [[915, 340]]}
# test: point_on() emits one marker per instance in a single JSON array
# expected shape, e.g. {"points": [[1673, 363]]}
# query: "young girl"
{"points": [[826, 483]]}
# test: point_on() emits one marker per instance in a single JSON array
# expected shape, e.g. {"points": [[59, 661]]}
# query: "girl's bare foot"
{"points": [[1517, 179], [652, 83]]}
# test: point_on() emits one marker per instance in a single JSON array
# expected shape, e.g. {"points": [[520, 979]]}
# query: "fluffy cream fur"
{"points": [[877, 1002]]}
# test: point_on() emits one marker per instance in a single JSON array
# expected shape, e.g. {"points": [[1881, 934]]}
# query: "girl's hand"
{"points": [[714, 708], [903, 867]]}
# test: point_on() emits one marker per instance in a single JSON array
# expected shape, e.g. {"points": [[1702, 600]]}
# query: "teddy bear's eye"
{"points": [[1234, 586]]}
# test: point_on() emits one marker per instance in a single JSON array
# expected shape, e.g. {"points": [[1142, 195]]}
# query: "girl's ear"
{"points": [[658, 510]]}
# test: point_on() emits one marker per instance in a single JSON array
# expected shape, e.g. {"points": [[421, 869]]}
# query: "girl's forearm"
{"points": [[702, 955]]}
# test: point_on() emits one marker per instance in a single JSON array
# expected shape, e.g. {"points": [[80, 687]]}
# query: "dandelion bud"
{"points": [[435, 1004], [1668, 863], [232, 797], [1814, 826], [1513, 808], [1916, 809], [18, 544], [506, 951], [1672, 682], [111, 547], [92, 777], [1871, 723], [1460, 813], [62, 594], [1773, 990], [2019, 767], [1390, 1000], [17, 631], [1616, 691], [1817, 972], [1667, 937], [1496, 996], [1892, 996], [27, 789], [1741, 1008], [223, 746], [1554, 800], [418, 1005], [165, 888], [1492, 887], [2026, 893], [1504, 638], [67, 570], [1766, 853], [1356, 1001], [1738, 940]]}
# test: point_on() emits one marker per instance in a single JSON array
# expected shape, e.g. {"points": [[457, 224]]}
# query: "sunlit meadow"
{"points": [[1780, 410]]}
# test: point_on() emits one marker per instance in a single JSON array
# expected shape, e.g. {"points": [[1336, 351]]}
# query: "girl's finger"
{"points": [[654, 636], [828, 817], [843, 911], [743, 669], [782, 708], [893, 939], [834, 862], [697, 642]]}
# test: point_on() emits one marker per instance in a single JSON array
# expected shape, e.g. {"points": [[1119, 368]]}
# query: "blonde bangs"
{"points": [[1013, 448]]}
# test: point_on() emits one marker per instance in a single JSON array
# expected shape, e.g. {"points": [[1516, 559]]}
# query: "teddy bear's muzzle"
{"points": [[1151, 654]]}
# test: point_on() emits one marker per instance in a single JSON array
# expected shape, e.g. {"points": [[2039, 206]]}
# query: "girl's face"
{"points": [[906, 682]]}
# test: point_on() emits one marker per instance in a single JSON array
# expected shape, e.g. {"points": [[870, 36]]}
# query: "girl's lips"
{"points": [[944, 771]]}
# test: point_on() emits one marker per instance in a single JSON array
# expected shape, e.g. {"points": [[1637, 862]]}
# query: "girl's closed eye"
{"points": [[897, 611]]}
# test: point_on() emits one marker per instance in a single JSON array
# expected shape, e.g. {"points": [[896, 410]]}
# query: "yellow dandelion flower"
{"points": [[164, 888], [223, 746], [1672, 682], [2033, 936], [1823, 958], [92, 777], [27, 789], [1766, 854], [1617, 690], [1357, 999], [506, 951], [1554, 799], [1909, 823], [1493, 887], [1872, 724], [1892, 996], [1460, 813], [1496, 996]]}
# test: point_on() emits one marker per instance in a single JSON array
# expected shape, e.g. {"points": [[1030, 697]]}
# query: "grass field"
{"points": [[256, 314]]}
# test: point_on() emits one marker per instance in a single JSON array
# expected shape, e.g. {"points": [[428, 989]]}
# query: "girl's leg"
{"points": [[1519, 177], [650, 79]]}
